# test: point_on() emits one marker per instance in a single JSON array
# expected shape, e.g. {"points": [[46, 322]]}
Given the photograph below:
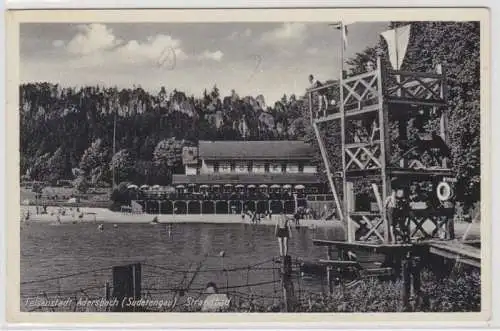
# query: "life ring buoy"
{"points": [[444, 191]]}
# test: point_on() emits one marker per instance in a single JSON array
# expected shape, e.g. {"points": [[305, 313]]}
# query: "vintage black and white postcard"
{"points": [[182, 166]]}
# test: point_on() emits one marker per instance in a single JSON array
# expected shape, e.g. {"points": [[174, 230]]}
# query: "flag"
{"points": [[342, 26], [397, 44]]}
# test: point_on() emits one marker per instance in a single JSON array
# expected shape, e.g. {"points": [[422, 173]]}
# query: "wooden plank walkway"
{"points": [[463, 252], [373, 247], [456, 250]]}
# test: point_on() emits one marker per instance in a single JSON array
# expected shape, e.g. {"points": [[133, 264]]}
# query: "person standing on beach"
{"points": [[283, 232], [254, 217]]}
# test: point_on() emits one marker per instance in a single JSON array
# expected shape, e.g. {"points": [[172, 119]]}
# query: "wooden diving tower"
{"points": [[371, 113], [369, 104]]}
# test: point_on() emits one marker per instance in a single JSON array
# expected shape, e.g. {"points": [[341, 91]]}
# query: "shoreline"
{"points": [[106, 216]]}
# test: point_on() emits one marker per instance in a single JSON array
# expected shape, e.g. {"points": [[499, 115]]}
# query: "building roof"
{"points": [[212, 179], [253, 150]]}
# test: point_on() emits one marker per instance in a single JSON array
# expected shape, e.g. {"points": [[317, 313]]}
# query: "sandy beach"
{"points": [[102, 215]]}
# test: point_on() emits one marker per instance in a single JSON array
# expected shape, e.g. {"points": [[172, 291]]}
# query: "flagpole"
{"points": [[114, 149], [342, 44], [396, 48], [398, 77]]}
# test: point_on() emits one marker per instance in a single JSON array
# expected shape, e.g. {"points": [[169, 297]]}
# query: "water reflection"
{"points": [[205, 240]]}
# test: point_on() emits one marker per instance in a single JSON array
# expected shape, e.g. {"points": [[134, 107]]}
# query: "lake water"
{"points": [[168, 259]]}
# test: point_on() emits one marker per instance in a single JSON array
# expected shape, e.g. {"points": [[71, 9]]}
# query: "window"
{"points": [[233, 166], [275, 167], [216, 167], [266, 167], [241, 167], [225, 167], [301, 167], [283, 167], [250, 166]]}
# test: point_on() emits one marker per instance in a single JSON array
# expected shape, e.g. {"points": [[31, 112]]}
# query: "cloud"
{"points": [[96, 45], [92, 38], [240, 34], [312, 51], [215, 56], [159, 49], [58, 43], [288, 32]]}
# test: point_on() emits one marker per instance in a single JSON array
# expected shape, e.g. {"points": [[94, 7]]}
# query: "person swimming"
{"points": [[283, 232]]}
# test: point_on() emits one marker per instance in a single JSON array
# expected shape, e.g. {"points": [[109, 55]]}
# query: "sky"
{"points": [[271, 59]]}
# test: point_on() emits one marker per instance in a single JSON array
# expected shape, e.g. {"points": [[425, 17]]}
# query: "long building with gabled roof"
{"points": [[283, 163]]}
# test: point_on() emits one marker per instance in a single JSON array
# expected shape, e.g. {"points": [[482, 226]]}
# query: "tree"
{"points": [[145, 172], [93, 161], [40, 169], [454, 45], [56, 166], [123, 164], [215, 94], [358, 62], [167, 156], [120, 196], [81, 184]]}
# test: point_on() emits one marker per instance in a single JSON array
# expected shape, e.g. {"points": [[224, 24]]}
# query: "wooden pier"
{"points": [[461, 252], [404, 261], [464, 252]]}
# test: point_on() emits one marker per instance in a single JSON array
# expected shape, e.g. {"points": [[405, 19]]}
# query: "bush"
{"points": [[460, 292], [120, 196], [81, 184]]}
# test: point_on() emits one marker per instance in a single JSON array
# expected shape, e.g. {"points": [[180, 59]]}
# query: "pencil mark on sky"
{"points": [[167, 59], [256, 69]]}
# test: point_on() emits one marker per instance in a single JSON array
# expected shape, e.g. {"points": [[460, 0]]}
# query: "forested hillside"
{"points": [[64, 129]]}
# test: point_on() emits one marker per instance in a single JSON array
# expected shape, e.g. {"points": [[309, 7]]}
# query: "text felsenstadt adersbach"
{"points": [[104, 303]]}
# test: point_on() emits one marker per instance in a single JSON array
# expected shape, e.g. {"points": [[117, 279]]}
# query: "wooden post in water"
{"points": [[126, 286], [406, 278], [287, 284], [106, 290], [107, 294], [350, 205], [329, 270], [417, 280]]}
